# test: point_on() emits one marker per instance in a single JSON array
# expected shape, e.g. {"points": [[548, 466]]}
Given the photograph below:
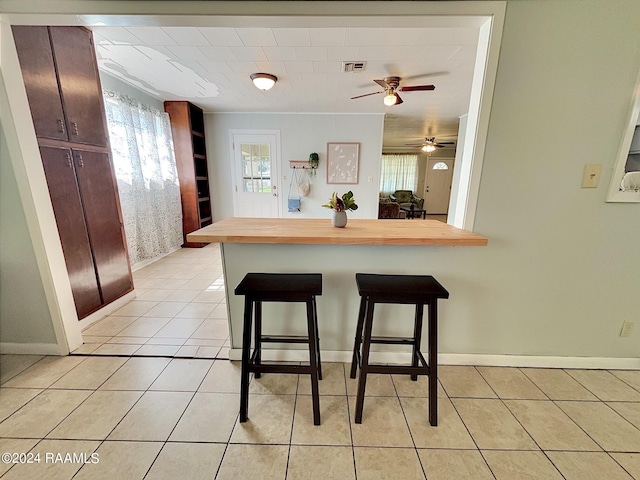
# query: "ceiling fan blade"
{"points": [[383, 84], [417, 87], [366, 95], [423, 75], [444, 144], [398, 99]]}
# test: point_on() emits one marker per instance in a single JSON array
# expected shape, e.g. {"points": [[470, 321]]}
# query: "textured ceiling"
{"points": [[210, 66]]}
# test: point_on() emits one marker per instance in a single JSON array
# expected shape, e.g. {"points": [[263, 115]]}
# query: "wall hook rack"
{"points": [[300, 164]]}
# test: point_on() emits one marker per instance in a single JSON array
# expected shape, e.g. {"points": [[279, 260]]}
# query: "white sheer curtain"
{"points": [[399, 172], [145, 167]]}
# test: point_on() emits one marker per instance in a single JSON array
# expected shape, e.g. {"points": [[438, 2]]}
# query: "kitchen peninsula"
{"points": [[314, 246]]}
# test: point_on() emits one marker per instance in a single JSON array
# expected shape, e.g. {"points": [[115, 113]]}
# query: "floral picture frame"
{"points": [[342, 162]]}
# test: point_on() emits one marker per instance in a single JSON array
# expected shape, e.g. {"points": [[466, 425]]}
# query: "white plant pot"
{"points": [[339, 219]]}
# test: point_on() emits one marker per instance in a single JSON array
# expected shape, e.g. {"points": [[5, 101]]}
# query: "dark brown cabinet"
{"points": [[102, 215], [67, 206], [187, 129], [61, 79], [64, 94], [40, 80]]}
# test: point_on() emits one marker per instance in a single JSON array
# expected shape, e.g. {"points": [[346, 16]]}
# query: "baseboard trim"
{"points": [[30, 348], [149, 261], [107, 309], [484, 360]]}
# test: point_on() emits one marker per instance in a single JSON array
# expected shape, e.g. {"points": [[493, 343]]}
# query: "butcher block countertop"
{"points": [[313, 231]]}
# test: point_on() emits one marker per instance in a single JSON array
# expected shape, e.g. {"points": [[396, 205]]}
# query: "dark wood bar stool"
{"points": [[418, 290], [279, 287]]}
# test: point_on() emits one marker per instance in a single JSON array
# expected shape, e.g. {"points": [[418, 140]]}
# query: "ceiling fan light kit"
{"points": [[263, 81], [389, 99], [428, 148], [391, 87], [429, 144]]}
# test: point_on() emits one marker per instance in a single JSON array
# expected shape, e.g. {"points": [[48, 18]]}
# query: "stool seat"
{"points": [[402, 289], [279, 287], [418, 290], [282, 287]]}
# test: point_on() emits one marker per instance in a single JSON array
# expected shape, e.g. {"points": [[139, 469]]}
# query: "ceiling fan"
{"points": [[429, 144], [391, 86]]}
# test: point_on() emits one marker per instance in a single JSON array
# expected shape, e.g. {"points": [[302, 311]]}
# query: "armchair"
{"points": [[389, 209], [406, 197]]}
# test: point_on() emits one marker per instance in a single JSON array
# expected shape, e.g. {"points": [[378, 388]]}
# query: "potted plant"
{"points": [[314, 159], [340, 205]]}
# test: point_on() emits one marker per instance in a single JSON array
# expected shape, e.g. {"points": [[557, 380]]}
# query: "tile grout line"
{"points": [[455, 408], [406, 421], [520, 423], [346, 397], [293, 421], [164, 443]]}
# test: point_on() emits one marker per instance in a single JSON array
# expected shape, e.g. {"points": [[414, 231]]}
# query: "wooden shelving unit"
{"points": [[187, 127]]}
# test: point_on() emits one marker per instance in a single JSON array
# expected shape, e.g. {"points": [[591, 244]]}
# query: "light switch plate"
{"points": [[591, 176]]}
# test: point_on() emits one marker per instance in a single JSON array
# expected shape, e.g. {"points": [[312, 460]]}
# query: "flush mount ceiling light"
{"points": [[264, 81]]}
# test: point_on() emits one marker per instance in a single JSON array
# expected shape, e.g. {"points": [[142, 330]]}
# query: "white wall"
{"points": [[300, 134], [561, 271], [24, 313]]}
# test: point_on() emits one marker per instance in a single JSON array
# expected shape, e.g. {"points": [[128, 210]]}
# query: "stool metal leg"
{"points": [[358, 340], [246, 351], [257, 344], [315, 323], [313, 358], [364, 362], [433, 363], [417, 338]]}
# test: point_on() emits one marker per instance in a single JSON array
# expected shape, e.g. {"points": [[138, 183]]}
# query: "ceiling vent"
{"points": [[353, 67]]}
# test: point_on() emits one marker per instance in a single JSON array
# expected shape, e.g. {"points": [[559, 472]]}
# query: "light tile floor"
{"points": [[180, 311], [177, 418], [170, 411]]}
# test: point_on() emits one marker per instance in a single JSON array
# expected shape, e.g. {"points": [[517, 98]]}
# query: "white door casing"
{"points": [[255, 160], [437, 185]]}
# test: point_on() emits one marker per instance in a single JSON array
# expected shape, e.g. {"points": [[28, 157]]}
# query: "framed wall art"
{"points": [[342, 162]]}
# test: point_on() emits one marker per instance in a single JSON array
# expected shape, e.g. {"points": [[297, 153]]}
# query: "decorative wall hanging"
{"points": [[342, 162]]}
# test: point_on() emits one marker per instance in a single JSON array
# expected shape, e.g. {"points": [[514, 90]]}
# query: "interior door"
{"points": [[67, 208], [102, 213], [437, 185], [256, 163]]}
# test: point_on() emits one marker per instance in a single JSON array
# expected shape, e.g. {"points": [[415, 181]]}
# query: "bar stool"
{"points": [[418, 290], [279, 287]]}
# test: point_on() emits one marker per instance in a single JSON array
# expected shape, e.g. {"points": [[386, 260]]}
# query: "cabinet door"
{"points": [[102, 212], [67, 207], [39, 73], [79, 84]]}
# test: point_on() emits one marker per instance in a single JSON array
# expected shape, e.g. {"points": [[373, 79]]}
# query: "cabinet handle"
{"points": [[80, 160], [75, 128], [60, 126], [69, 160]]}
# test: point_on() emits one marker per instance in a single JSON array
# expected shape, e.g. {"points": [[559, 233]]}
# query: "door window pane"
{"points": [[256, 168]]}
